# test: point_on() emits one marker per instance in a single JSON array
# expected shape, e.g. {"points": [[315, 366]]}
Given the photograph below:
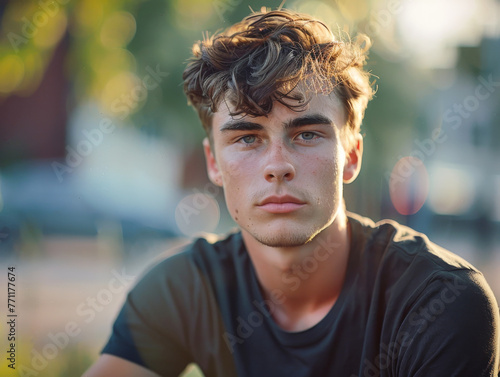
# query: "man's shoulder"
{"points": [[408, 269], [187, 273], [199, 255], [389, 241], [404, 263]]}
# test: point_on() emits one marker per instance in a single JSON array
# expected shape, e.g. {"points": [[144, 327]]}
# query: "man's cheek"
{"points": [[239, 167], [233, 196]]}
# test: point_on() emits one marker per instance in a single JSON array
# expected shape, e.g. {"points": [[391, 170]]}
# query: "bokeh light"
{"points": [[51, 33], [197, 213], [452, 189], [88, 14], [118, 29], [123, 90], [409, 185], [11, 73]]}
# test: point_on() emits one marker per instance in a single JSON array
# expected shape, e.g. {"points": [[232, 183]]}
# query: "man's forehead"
{"points": [[328, 105]]}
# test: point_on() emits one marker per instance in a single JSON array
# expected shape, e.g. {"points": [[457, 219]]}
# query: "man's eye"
{"points": [[248, 139], [308, 135]]}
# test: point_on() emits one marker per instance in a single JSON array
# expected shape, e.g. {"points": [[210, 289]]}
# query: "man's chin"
{"points": [[286, 234], [284, 239]]}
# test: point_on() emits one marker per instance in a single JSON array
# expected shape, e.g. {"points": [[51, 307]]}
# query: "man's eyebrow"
{"points": [[305, 120], [240, 126], [308, 120]]}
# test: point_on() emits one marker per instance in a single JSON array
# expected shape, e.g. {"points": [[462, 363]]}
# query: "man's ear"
{"points": [[212, 166], [353, 160]]}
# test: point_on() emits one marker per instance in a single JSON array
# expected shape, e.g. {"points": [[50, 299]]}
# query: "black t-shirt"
{"points": [[408, 308]]}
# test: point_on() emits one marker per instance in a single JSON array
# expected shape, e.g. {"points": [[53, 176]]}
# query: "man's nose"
{"points": [[278, 166]]}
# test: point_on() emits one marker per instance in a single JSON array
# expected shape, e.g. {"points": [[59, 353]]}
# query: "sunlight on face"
{"points": [[282, 174]]}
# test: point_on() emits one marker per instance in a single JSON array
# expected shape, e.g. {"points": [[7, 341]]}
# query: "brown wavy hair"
{"points": [[265, 57]]}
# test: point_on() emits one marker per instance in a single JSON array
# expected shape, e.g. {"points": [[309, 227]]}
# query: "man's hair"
{"points": [[266, 56]]}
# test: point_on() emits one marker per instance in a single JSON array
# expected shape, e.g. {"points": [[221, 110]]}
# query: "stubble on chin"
{"points": [[293, 236], [284, 239]]}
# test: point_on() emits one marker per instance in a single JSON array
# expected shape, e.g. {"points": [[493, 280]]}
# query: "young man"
{"points": [[304, 288]]}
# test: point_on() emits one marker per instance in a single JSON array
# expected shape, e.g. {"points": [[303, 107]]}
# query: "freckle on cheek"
{"points": [[236, 210]]}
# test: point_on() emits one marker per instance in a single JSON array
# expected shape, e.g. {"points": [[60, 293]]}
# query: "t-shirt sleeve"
{"points": [[150, 329], [451, 329]]}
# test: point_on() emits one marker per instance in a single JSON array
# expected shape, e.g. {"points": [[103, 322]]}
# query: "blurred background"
{"points": [[101, 165]]}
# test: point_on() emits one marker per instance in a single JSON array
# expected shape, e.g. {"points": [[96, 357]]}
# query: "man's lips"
{"points": [[281, 204]]}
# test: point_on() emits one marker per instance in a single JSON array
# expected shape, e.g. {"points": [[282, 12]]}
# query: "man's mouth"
{"points": [[281, 204]]}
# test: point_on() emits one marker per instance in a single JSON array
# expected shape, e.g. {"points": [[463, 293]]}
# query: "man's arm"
{"points": [[150, 333], [111, 366], [453, 330]]}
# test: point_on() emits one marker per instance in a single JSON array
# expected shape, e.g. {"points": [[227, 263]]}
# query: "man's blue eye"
{"points": [[248, 139], [307, 135]]}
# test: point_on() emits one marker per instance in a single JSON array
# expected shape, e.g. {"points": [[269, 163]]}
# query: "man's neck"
{"points": [[309, 278]]}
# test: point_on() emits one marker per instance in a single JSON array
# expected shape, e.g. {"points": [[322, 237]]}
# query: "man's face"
{"points": [[282, 174]]}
